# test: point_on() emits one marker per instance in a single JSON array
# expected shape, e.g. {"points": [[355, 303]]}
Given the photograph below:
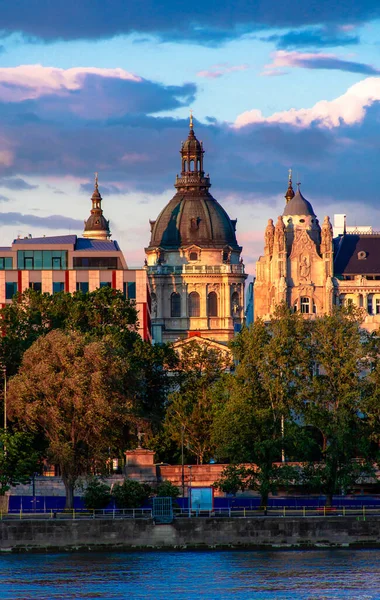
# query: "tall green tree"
{"points": [[254, 420], [335, 401], [76, 394], [190, 409]]}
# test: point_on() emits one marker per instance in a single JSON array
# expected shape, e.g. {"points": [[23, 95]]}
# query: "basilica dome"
{"points": [[193, 216]]}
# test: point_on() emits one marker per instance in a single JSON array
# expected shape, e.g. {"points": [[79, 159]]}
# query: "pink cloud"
{"points": [[315, 60], [349, 108], [134, 157], [27, 82], [221, 69]]}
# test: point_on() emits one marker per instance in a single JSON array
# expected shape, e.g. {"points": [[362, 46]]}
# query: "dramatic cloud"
{"points": [[222, 69], [16, 183], [53, 137], [87, 92], [308, 60], [316, 37], [51, 222], [211, 22], [27, 82], [349, 108]]}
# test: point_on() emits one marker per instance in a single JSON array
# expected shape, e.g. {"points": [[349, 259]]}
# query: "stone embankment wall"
{"points": [[258, 532]]}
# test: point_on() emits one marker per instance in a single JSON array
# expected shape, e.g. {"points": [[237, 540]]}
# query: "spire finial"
{"points": [[191, 119], [298, 185], [289, 192], [96, 180]]}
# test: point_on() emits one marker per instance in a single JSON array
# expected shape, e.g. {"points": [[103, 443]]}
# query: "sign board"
{"points": [[202, 498]]}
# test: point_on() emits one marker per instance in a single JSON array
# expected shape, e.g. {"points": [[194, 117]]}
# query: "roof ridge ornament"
{"points": [[191, 119]]}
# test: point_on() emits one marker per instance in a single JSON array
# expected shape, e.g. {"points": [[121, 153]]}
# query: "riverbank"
{"points": [[32, 535]]}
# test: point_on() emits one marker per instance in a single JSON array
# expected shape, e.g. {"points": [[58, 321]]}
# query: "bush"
{"points": [[97, 494], [167, 490], [131, 494]]}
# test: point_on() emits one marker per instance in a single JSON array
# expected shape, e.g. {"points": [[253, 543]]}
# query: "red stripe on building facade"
{"points": [[114, 280], [67, 281]]}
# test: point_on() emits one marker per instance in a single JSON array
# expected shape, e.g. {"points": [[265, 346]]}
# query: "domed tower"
{"points": [[297, 266], [193, 259], [96, 227]]}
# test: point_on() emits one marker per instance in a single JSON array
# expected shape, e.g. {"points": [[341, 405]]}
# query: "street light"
{"points": [[5, 396], [182, 462]]}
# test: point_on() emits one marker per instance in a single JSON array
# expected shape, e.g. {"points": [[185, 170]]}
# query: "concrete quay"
{"points": [[54, 535]]}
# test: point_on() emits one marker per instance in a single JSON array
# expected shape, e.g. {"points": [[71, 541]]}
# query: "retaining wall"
{"points": [[259, 532]]}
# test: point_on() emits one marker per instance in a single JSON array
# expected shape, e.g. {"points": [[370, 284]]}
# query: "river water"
{"points": [[312, 575]]}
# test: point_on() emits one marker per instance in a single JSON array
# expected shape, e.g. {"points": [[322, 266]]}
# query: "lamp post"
{"points": [[189, 489], [182, 462], [5, 396]]}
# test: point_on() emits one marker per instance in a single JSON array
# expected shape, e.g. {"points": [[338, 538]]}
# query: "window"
{"points": [[95, 262], [10, 289], [193, 256], [58, 286], [235, 304], [191, 165], [132, 290], [36, 286], [378, 306], [105, 284], [175, 305], [369, 305], [194, 304], [225, 256], [305, 305], [82, 286], [41, 259], [6, 263], [212, 305]]}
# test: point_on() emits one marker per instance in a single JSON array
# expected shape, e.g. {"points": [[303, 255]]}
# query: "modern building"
{"points": [[70, 263], [193, 259], [306, 267]]}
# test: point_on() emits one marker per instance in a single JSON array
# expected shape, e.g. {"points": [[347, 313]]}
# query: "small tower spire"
{"points": [[96, 226], [289, 192], [191, 119]]}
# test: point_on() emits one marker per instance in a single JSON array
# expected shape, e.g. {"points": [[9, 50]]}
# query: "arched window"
{"points": [[235, 304], [185, 165], [194, 304], [305, 305], [175, 305], [191, 165], [212, 305], [198, 165]]}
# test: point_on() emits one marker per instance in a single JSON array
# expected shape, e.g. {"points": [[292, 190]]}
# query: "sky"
{"points": [[96, 86]]}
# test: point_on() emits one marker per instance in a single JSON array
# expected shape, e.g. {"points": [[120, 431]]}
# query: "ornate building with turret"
{"points": [[297, 266], [307, 267], [193, 260]]}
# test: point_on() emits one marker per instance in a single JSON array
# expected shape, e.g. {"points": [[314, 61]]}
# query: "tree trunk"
{"points": [[329, 500], [264, 500], [69, 487]]}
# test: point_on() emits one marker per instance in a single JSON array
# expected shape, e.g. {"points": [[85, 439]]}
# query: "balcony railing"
{"points": [[195, 269]]}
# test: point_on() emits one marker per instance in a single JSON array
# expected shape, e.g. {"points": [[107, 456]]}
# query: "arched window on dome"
{"points": [[184, 165], [175, 305], [198, 165], [212, 305], [191, 165], [194, 304]]}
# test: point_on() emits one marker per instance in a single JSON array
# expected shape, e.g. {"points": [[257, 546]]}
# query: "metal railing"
{"points": [[361, 512]]}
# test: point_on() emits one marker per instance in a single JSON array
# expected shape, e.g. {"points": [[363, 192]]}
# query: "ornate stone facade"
{"points": [[297, 266], [193, 259], [309, 270]]}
